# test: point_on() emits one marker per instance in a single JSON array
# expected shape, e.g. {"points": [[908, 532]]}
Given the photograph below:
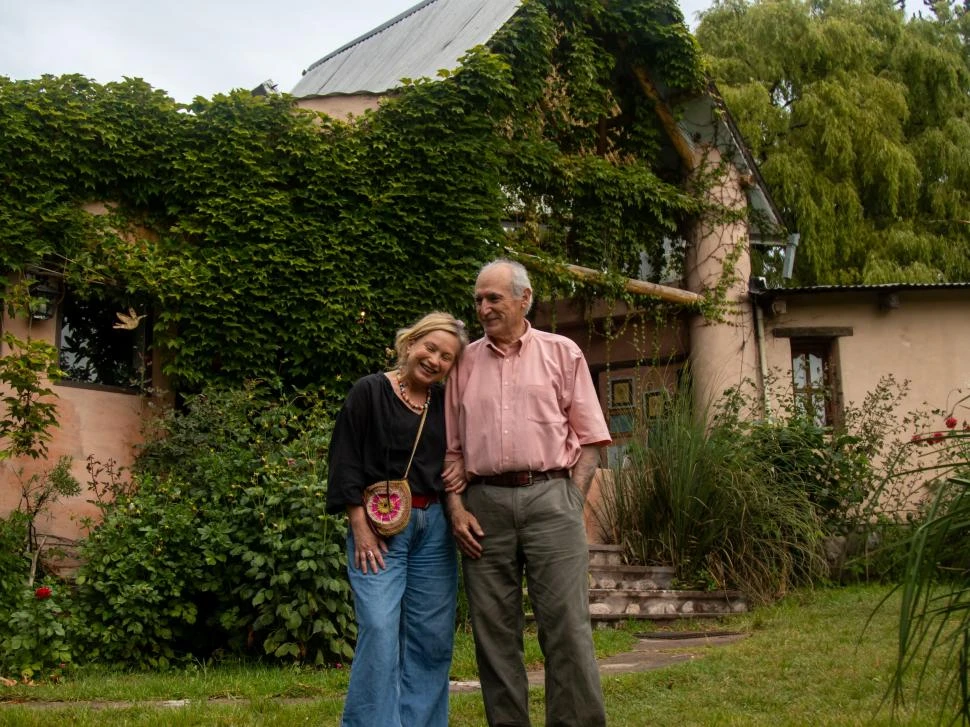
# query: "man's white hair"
{"points": [[520, 277]]}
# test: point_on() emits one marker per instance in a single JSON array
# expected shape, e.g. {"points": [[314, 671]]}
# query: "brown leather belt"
{"points": [[518, 479], [422, 501]]}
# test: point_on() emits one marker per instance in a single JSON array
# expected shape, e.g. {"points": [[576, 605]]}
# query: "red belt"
{"points": [[518, 479], [422, 501]]}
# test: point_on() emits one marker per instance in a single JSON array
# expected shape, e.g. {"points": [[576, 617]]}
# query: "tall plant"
{"points": [[693, 496], [934, 616]]}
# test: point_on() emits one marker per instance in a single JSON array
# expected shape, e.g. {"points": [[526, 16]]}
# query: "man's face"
{"points": [[501, 314]]}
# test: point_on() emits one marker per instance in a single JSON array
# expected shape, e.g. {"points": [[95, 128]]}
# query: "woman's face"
{"points": [[431, 357]]}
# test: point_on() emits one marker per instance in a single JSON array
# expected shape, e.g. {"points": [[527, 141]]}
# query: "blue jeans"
{"points": [[406, 628]]}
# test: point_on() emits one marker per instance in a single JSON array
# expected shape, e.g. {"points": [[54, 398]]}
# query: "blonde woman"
{"points": [[405, 585]]}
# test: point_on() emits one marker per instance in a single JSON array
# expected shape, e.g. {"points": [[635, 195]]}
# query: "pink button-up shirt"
{"points": [[530, 409]]}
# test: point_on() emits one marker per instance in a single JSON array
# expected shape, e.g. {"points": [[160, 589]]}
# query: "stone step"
{"points": [[611, 604], [631, 577], [605, 554]]}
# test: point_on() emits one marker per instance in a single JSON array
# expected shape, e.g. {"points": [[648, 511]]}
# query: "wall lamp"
{"points": [[44, 293]]}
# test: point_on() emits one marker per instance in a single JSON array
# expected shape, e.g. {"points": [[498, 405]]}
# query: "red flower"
{"points": [[937, 436], [916, 439], [43, 593], [951, 422]]}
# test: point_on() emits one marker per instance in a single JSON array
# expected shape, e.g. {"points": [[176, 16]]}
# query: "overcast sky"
{"points": [[188, 48]]}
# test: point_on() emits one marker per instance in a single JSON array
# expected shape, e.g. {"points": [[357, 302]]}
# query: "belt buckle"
{"points": [[530, 480]]}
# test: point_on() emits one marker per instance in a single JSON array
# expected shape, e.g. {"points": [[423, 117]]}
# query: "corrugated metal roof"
{"points": [[418, 43], [882, 287]]}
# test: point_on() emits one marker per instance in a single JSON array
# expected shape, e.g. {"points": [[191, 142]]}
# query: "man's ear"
{"points": [[526, 298]]}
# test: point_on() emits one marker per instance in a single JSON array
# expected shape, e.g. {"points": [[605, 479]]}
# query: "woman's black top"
{"points": [[372, 441]]}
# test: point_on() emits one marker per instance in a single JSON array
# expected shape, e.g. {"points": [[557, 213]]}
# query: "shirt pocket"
{"points": [[542, 405]]}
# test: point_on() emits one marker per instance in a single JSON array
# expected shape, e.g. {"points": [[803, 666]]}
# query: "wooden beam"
{"points": [[631, 285], [667, 119]]}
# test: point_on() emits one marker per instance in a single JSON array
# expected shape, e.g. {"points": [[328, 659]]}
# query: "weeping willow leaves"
{"points": [[859, 119]]}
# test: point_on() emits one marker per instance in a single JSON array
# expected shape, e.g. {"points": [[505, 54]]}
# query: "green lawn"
{"points": [[809, 660]]}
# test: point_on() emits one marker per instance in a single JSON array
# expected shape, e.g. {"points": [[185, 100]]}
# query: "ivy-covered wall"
{"points": [[287, 246]]}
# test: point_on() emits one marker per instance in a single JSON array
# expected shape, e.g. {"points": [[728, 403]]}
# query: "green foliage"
{"points": [[860, 130], [14, 561], [35, 636], [934, 615], [223, 544], [691, 496], [28, 412], [278, 244]]}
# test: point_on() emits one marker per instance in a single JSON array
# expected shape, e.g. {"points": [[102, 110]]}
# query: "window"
{"points": [[815, 379], [103, 342]]}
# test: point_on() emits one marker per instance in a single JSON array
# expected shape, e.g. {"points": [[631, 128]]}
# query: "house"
{"points": [[844, 338], [630, 371]]}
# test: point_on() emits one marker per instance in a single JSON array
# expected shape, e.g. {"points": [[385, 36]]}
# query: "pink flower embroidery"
{"points": [[950, 422], [938, 436], [385, 508]]}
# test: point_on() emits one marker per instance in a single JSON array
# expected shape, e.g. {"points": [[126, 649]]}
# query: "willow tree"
{"points": [[860, 121]]}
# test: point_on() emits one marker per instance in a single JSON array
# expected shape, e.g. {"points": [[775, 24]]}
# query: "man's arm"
{"points": [[464, 526], [585, 468]]}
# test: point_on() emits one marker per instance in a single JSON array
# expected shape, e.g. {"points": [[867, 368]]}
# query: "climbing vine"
{"points": [[276, 243]]}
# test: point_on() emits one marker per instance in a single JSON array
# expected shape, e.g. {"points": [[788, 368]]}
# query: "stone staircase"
{"points": [[619, 592]]}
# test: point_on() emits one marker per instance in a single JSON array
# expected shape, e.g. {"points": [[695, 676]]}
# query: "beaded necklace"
{"points": [[402, 386]]}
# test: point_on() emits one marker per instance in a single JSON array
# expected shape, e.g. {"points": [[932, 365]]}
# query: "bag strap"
{"points": [[424, 415]]}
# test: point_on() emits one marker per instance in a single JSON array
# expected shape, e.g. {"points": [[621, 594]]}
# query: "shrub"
{"points": [[36, 635], [223, 544], [694, 497]]}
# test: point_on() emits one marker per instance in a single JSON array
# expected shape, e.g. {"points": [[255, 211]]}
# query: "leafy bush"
{"points": [[223, 544], [694, 497], [36, 634]]}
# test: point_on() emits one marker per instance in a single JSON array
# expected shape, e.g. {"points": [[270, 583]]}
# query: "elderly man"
{"points": [[524, 427]]}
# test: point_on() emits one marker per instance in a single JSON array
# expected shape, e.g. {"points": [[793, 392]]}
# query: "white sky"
{"points": [[188, 49]]}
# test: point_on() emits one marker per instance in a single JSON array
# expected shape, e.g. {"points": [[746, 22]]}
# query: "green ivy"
{"points": [[279, 244]]}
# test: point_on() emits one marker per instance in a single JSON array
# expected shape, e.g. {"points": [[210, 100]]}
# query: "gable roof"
{"points": [[432, 35], [435, 34]]}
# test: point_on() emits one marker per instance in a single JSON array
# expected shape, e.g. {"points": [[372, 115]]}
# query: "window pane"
{"points": [[93, 351]]}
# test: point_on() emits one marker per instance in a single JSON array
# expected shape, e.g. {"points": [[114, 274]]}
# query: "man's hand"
{"points": [[585, 468], [465, 527], [454, 477]]}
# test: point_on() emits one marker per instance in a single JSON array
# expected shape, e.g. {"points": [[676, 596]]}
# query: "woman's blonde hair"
{"points": [[436, 321]]}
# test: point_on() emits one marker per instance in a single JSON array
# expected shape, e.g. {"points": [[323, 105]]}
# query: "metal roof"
{"points": [[432, 35], [878, 288]]}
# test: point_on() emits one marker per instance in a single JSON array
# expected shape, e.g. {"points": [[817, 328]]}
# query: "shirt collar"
{"points": [[522, 341]]}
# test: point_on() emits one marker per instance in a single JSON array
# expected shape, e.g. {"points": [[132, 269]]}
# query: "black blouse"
{"points": [[372, 441]]}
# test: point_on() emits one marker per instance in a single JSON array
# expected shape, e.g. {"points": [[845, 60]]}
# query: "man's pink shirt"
{"points": [[530, 409]]}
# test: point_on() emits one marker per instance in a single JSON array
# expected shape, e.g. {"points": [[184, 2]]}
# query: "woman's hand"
{"points": [[369, 547], [454, 477]]}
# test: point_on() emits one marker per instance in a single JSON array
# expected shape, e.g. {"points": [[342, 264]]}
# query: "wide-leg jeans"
{"points": [[406, 628]]}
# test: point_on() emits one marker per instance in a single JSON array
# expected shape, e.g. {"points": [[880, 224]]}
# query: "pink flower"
{"points": [[43, 593], [916, 439], [385, 508], [951, 422], [938, 436]]}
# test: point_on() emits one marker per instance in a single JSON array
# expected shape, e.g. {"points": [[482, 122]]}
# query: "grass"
{"points": [[808, 660]]}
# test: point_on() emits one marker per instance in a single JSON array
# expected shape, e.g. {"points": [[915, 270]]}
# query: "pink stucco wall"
{"points": [[723, 351], [925, 340], [91, 421], [341, 107]]}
